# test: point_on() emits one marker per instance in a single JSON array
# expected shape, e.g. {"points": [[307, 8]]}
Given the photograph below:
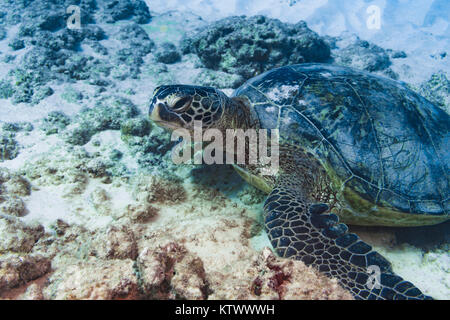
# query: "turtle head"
{"points": [[178, 106]]}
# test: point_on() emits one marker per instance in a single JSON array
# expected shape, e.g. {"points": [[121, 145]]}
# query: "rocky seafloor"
{"points": [[91, 205]]}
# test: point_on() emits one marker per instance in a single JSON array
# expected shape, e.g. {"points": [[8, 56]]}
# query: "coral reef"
{"points": [[55, 122], [16, 269], [93, 279], [113, 11], [171, 272], [130, 57], [107, 114], [9, 148], [118, 243], [18, 236], [363, 55], [250, 46], [167, 53], [12, 188]]}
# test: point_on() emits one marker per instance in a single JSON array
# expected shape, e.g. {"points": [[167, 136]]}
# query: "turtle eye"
{"points": [[182, 104]]}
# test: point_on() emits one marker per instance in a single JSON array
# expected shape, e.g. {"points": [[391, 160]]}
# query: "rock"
{"points": [[137, 45], [12, 186], [138, 127], [33, 292], [55, 122], [41, 93], [94, 279], [3, 33], [276, 278], [398, 54], [9, 148], [167, 53], [115, 155], [149, 150], [363, 55], [30, 85], [6, 89], [142, 212], [54, 56], [251, 46], [61, 170], [46, 15], [17, 126], [12, 205], [16, 44], [17, 185], [160, 189], [136, 10], [172, 272], [17, 269], [117, 243], [8, 58], [18, 236], [107, 114], [71, 95], [219, 79]]}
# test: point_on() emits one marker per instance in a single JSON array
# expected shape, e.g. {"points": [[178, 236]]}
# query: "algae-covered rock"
{"points": [[71, 95], [6, 89], [108, 114], [29, 85], [129, 58], [16, 44], [18, 269], [250, 46], [16, 185], [41, 93], [9, 147], [136, 127], [17, 126], [219, 79], [55, 122], [12, 205], [167, 53], [3, 33], [363, 55], [18, 236], [94, 279], [54, 55], [118, 242], [172, 272], [46, 15], [113, 11], [148, 149], [12, 188]]}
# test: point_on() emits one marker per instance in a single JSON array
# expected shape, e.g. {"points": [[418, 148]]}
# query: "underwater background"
{"points": [[91, 205]]}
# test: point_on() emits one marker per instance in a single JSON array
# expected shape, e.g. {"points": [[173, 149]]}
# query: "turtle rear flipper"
{"points": [[305, 232]]}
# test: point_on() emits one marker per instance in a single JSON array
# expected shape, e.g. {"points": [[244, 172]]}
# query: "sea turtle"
{"points": [[352, 145]]}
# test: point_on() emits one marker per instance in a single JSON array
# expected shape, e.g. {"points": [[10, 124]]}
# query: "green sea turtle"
{"points": [[352, 145]]}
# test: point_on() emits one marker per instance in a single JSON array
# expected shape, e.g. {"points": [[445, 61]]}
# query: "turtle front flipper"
{"points": [[303, 231]]}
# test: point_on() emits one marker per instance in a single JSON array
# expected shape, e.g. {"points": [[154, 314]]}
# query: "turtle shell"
{"points": [[382, 140]]}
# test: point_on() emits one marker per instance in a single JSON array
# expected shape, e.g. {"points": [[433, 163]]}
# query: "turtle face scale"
{"points": [[178, 106]]}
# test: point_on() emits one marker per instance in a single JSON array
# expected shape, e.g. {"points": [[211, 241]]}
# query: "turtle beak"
{"points": [[154, 112], [162, 116]]}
